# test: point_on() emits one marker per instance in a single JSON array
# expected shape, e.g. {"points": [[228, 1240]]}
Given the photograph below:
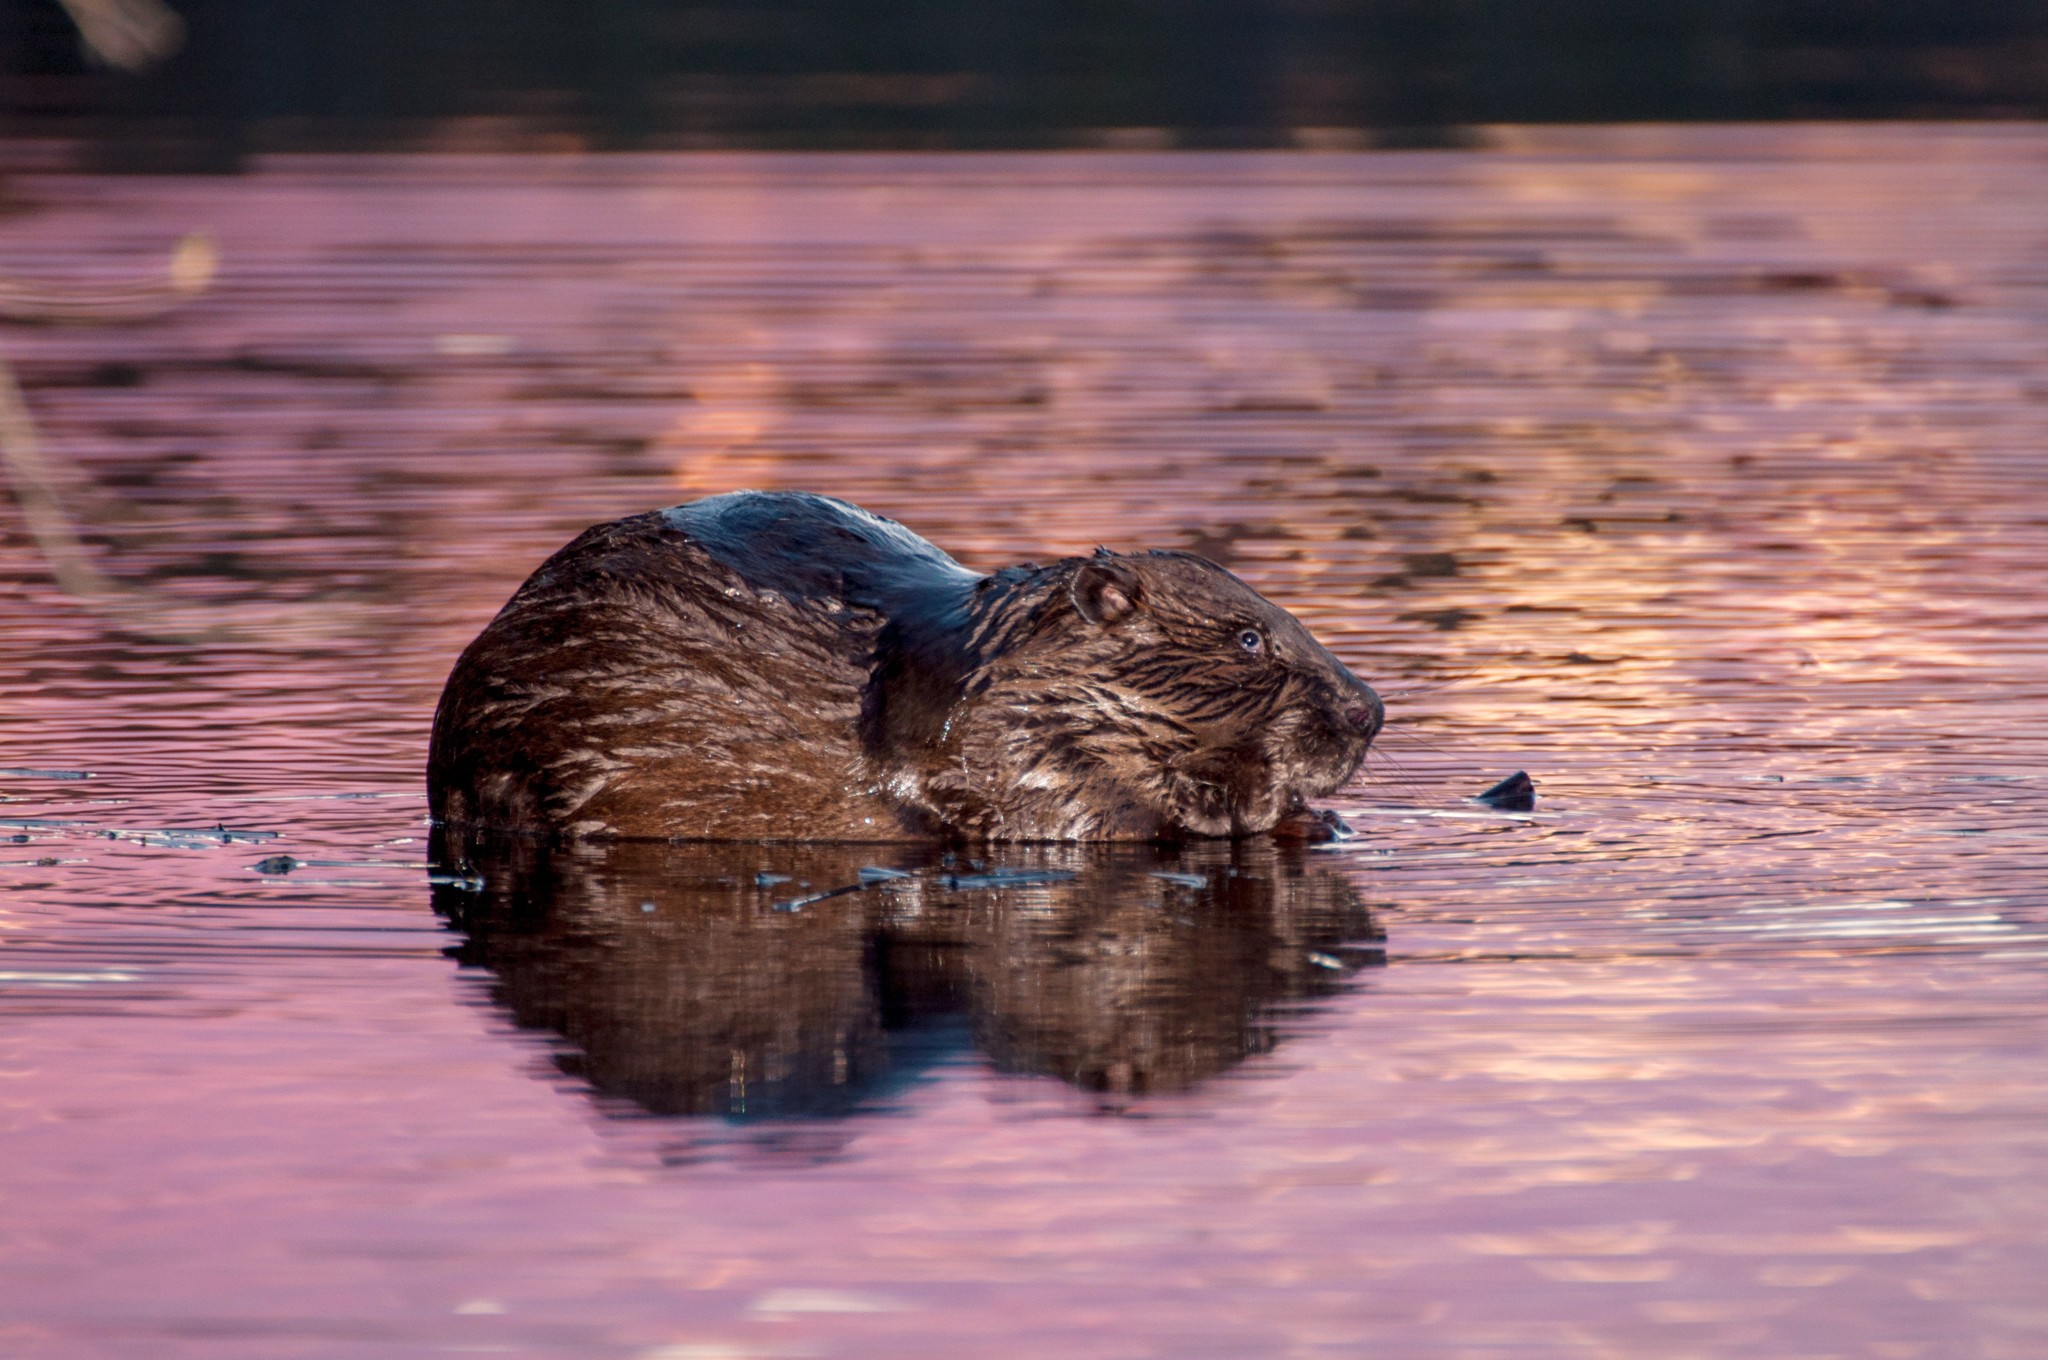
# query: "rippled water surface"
{"points": [[1704, 476]]}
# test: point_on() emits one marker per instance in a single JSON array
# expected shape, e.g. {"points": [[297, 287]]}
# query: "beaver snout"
{"points": [[1368, 717]]}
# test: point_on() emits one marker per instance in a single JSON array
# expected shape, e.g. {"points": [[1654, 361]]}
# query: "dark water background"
{"points": [[1700, 474], [221, 79]]}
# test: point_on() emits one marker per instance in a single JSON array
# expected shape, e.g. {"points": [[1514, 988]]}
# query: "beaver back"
{"points": [[687, 673]]}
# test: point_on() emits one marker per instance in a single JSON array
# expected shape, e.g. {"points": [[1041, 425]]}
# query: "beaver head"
{"points": [[1139, 695]]}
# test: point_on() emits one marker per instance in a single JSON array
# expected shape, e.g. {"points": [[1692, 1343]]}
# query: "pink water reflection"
{"points": [[1706, 468]]}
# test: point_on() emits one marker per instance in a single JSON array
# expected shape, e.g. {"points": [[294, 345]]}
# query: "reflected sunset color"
{"points": [[1701, 473]]}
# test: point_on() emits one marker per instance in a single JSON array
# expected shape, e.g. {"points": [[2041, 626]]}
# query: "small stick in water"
{"points": [[1516, 793]]}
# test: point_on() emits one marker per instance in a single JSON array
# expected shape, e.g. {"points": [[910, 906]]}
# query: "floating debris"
{"points": [[20, 773], [229, 835], [1322, 960], [188, 837], [466, 880], [1516, 793], [165, 840], [799, 903], [285, 863], [871, 874], [1009, 878], [1185, 880]]}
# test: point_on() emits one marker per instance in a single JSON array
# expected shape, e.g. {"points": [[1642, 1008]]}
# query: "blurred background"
{"points": [[219, 79]]}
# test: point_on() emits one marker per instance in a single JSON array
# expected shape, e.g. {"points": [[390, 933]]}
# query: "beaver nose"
{"points": [[1368, 717]]}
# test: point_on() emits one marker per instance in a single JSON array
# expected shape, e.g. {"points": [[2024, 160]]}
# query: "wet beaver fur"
{"points": [[782, 666]]}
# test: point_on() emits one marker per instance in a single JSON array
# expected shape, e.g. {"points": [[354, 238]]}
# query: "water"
{"points": [[1699, 474]]}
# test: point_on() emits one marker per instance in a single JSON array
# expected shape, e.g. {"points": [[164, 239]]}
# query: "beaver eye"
{"points": [[1252, 641]]}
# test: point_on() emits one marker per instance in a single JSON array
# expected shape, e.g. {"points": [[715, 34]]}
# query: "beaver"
{"points": [[787, 666]]}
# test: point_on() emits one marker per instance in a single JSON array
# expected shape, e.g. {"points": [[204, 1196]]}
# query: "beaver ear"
{"points": [[1105, 589]]}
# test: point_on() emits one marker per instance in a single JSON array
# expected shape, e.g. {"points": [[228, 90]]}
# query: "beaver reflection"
{"points": [[806, 980]]}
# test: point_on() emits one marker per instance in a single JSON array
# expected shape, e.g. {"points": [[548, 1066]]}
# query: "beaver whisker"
{"points": [[1407, 736], [1403, 777]]}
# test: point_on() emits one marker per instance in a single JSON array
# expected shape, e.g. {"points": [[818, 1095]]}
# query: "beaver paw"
{"points": [[1312, 826]]}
